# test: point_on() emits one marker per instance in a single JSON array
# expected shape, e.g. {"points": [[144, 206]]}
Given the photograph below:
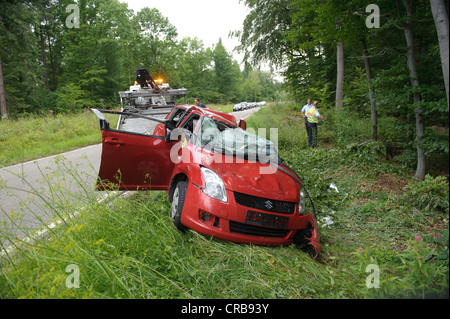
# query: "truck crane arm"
{"points": [[144, 79]]}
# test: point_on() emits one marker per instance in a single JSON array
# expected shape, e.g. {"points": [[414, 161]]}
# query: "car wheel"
{"points": [[179, 195]]}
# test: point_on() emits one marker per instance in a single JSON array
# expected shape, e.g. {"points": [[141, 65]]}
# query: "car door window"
{"points": [[191, 123], [176, 115]]}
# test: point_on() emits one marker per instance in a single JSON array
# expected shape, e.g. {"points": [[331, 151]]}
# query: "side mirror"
{"points": [[242, 124], [167, 134]]}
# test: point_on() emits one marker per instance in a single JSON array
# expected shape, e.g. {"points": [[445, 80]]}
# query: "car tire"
{"points": [[179, 195]]}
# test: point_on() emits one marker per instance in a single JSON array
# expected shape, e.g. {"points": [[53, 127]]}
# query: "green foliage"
{"points": [[429, 194], [48, 66], [37, 136], [342, 125], [71, 97], [301, 36], [130, 249], [369, 151], [409, 273], [442, 251], [262, 36], [436, 143], [227, 74]]}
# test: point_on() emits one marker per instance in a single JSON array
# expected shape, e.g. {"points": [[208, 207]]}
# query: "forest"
{"points": [[50, 63], [386, 60]]}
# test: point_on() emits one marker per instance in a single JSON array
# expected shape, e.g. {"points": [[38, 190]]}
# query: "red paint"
{"points": [[144, 163]]}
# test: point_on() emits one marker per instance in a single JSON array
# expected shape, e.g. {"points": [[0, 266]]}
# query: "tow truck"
{"points": [[147, 97]]}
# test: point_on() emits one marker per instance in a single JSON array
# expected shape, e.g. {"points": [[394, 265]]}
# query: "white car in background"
{"points": [[237, 107]]}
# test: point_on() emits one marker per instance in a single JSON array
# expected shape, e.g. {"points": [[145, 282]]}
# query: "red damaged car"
{"points": [[222, 180]]}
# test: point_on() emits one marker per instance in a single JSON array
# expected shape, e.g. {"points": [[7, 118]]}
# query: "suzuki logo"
{"points": [[268, 204]]}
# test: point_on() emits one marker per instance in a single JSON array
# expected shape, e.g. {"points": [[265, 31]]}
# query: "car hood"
{"points": [[256, 179]]}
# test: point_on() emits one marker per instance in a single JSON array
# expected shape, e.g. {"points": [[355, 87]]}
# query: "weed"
{"points": [[130, 248], [34, 137], [429, 194], [409, 273]]}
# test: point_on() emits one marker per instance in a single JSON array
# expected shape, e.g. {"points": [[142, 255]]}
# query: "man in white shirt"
{"points": [[305, 108]]}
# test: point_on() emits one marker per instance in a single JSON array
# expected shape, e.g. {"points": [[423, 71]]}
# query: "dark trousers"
{"points": [[311, 130]]}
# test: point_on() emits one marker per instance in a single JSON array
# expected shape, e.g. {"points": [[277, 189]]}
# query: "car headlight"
{"points": [[214, 186], [302, 202]]}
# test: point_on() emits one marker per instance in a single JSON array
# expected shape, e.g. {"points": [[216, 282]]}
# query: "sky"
{"points": [[208, 20]]}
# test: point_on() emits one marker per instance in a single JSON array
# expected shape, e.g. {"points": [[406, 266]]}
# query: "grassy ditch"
{"points": [[382, 219]]}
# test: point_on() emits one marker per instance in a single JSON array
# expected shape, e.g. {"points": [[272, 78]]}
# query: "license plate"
{"points": [[263, 219]]}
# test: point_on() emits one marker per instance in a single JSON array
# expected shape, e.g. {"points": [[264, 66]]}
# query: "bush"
{"points": [[71, 97], [410, 273], [369, 151], [346, 127], [429, 194]]}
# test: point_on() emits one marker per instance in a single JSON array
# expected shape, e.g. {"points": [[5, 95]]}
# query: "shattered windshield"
{"points": [[220, 137]]}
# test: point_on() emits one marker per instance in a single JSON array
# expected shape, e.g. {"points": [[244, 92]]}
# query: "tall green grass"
{"points": [[227, 108], [129, 247], [36, 136]]}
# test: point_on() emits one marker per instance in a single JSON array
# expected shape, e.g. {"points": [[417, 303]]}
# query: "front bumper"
{"points": [[227, 221]]}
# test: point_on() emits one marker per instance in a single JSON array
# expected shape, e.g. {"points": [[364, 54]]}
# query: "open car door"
{"points": [[133, 161]]}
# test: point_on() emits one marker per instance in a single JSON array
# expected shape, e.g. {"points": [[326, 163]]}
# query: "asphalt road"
{"points": [[34, 193], [244, 114]]}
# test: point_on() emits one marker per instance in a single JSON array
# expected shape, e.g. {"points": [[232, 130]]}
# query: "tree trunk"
{"points": [[412, 66], [3, 113], [340, 75], [52, 64], [373, 106], [441, 20], [44, 58]]}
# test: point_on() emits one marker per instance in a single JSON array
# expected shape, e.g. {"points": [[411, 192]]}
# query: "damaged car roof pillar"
{"points": [[104, 124]]}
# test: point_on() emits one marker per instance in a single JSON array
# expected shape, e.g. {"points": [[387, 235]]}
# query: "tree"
{"points": [[21, 68], [156, 42], [252, 87], [441, 20], [407, 23], [3, 112], [373, 106], [94, 53], [194, 69], [340, 75], [263, 34], [412, 66], [308, 38], [227, 73]]}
